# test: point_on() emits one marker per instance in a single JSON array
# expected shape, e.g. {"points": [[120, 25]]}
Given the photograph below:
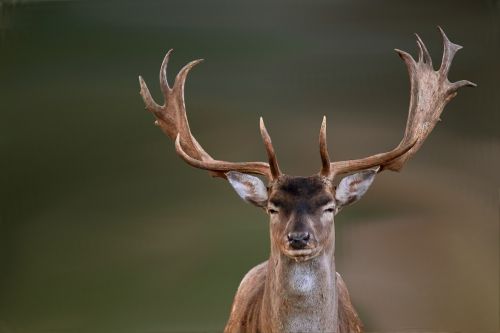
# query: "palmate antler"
{"points": [[172, 119], [430, 92]]}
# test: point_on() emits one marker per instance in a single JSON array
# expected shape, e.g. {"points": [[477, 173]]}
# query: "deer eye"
{"points": [[272, 211], [329, 210]]}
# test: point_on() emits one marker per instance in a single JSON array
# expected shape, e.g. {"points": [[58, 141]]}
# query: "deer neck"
{"points": [[301, 296]]}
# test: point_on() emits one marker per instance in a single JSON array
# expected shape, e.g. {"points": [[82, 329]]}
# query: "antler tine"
{"points": [[165, 88], [172, 119], [271, 155], [423, 52], [449, 51], [147, 98], [323, 150], [429, 93]]}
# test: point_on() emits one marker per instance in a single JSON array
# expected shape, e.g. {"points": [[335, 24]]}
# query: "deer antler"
{"points": [[430, 92], [172, 119]]}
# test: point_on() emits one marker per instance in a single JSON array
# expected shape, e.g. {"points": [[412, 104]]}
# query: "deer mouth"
{"points": [[302, 254]]}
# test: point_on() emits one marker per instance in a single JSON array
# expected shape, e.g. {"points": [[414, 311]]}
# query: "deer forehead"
{"points": [[305, 193]]}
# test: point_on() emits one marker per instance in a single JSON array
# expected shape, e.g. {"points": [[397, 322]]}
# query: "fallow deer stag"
{"points": [[298, 288]]}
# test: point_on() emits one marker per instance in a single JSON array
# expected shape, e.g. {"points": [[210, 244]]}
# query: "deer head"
{"points": [[301, 209]]}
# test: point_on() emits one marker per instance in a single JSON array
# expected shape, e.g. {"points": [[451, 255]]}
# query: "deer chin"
{"points": [[302, 254]]}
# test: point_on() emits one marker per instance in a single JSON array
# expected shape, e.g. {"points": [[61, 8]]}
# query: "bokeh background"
{"points": [[104, 229]]}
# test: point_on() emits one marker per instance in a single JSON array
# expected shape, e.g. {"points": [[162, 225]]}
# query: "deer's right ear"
{"points": [[249, 188]]}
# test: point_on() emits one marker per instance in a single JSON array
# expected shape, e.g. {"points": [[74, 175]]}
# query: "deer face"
{"points": [[302, 209]]}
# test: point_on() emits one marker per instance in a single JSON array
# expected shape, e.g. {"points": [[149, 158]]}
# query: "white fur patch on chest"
{"points": [[302, 279], [310, 300], [303, 323]]}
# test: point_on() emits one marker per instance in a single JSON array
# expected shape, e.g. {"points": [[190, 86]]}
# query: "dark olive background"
{"points": [[104, 229]]}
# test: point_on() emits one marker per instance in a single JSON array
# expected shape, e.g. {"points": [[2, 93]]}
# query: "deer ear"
{"points": [[353, 187], [249, 188]]}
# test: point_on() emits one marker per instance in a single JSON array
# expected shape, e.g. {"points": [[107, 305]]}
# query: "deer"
{"points": [[298, 288]]}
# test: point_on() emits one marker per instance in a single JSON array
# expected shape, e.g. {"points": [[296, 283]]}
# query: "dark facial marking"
{"points": [[301, 194], [302, 186], [277, 202]]}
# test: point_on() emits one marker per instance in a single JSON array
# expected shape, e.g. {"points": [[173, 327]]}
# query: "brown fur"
{"points": [[348, 317], [287, 294], [248, 302]]}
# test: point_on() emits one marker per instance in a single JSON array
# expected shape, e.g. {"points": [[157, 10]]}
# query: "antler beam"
{"points": [[429, 93]]}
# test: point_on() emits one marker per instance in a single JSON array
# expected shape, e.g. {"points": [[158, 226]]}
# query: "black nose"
{"points": [[298, 240]]}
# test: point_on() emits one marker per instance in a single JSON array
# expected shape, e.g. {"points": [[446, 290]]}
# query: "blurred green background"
{"points": [[104, 229]]}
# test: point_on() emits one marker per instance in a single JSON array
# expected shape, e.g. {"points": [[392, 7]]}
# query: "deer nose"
{"points": [[298, 240]]}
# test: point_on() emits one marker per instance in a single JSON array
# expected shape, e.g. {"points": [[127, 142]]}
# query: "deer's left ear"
{"points": [[249, 188], [353, 187]]}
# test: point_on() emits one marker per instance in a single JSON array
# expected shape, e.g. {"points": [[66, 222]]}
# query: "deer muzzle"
{"points": [[298, 240]]}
